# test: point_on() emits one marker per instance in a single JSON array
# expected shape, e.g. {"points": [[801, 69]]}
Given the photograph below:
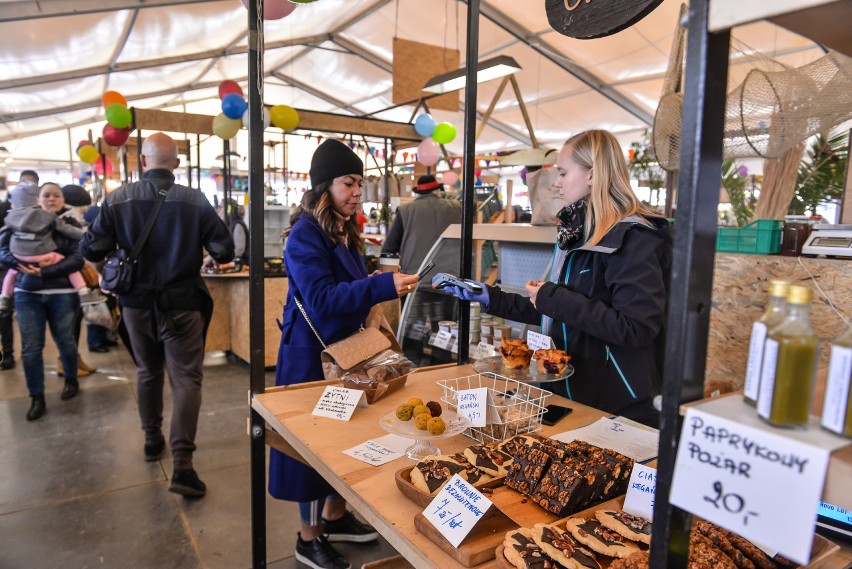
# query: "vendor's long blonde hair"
{"points": [[611, 198]]}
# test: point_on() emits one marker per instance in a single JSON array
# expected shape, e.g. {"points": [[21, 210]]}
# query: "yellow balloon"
{"points": [[88, 154], [284, 117], [226, 128]]}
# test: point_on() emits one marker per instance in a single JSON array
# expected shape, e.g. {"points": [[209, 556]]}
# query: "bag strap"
{"points": [[149, 225], [308, 320]]}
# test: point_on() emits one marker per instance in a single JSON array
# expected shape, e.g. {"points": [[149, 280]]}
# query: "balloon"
{"points": [[275, 9], [303, 1], [444, 133], [227, 87], [118, 115], [233, 105], [111, 97], [428, 152], [424, 124], [115, 136], [284, 117], [99, 167], [450, 178], [88, 153], [266, 118], [225, 128]]}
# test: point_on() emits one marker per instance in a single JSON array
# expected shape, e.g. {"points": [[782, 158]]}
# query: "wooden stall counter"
{"points": [[229, 328], [372, 490]]}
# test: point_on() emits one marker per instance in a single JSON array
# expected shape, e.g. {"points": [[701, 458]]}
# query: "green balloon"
{"points": [[444, 133], [118, 115]]}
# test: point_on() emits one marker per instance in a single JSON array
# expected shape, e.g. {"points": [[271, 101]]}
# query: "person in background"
{"points": [[239, 229], [419, 223], [169, 307], [327, 275], [44, 295], [605, 300]]}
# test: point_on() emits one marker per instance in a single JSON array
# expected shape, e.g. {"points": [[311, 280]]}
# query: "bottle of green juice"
{"points": [[837, 406], [772, 316]]}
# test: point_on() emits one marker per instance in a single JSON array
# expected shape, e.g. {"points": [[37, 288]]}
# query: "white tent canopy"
{"points": [[60, 56]]}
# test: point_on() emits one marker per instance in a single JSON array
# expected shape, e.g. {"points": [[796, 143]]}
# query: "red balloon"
{"points": [[115, 136], [227, 87], [98, 167]]}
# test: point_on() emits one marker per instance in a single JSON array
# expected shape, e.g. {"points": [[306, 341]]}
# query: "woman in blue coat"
{"points": [[605, 300], [328, 276]]}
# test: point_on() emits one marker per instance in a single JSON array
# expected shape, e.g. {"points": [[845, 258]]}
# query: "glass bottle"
{"points": [[837, 406], [789, 365], [772, 316]]}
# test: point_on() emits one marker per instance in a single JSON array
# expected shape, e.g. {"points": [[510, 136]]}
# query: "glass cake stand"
{"points": [[494, 364], [456, 424]]}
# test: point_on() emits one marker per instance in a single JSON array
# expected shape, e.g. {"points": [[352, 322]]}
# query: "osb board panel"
{"points": [[154, 120], [739, 296], [275, 292], [414, 63], [219, 332]]}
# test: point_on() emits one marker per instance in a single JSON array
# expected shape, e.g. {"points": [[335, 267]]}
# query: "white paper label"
{"points": [[339, 402], [755, 360], [379, 451], [442, 339], [473, 404], [767, 378], [751, 481], [456, 509], [639, 500], [482, 351], [837, 389], [538, 341]]}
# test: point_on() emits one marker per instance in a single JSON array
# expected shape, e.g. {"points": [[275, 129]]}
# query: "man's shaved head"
{"points": [[159, 151]]}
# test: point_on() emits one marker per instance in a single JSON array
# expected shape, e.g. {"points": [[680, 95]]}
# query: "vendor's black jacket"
{"points": [[609, 313], [167, 274], [52, 276]]}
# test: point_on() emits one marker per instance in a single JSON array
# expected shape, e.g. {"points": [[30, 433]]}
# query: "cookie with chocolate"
{"points": [[632, 527], [563, 548], [431, 473], [489, 458], [511, 445], [523, 552], [473, 474], [600, 539]]}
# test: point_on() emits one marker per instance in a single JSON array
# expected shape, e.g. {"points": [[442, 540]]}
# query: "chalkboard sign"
{"points": [[587, 19]]}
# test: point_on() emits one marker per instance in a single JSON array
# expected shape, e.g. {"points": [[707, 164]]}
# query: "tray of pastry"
{"points": [[518, 361], [422, 497]]}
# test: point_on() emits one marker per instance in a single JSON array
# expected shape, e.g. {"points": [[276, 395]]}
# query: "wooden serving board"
{"points": [[480, 544], [422, 499]]}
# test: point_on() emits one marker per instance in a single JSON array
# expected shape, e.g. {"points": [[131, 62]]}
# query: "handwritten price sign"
{"points": [[750, 480], [339, 403], [473, 404], [456, 509]]}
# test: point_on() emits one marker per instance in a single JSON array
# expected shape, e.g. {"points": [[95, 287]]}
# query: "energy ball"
{"points": [[421, 420], [404, 412], [415, 401], [434, 408], [422, 409], [436, 426]]}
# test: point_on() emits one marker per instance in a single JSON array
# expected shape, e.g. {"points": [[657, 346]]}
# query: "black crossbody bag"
{"points": [[119, 271]]}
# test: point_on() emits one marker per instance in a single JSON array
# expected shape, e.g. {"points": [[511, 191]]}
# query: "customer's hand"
{"points": [[29, 269], [533, 287], [404, 283], [464, 294], [209, 264]]}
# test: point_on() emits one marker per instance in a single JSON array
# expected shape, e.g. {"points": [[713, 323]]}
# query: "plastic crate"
{"points": [[761, 237]]}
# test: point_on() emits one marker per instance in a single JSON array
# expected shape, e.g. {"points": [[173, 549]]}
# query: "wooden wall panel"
{"points": [[414, 64]]}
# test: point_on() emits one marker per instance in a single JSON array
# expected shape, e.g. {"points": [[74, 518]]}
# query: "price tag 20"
{"points": [[456, 509], [473, 404], [339, 403]]}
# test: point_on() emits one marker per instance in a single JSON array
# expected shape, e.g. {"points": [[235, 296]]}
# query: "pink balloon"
{"points": [[428, 152], [98, 166], [450, 178], [275, 9]]}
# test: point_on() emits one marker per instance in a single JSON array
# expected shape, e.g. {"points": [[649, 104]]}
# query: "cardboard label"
{"points": [[538, 341], [639, 500], [456, 509], [755, 360], [339, 403], [756, 483], [473, 404]]}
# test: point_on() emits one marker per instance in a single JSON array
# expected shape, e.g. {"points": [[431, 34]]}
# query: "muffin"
{"points": [[515, 353]]}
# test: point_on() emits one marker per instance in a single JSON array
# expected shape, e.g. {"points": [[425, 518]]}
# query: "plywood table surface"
{"points": [[371, 490]]}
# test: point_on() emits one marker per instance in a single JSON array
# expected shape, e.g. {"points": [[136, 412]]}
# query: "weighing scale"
{"points": [[829, 240]]}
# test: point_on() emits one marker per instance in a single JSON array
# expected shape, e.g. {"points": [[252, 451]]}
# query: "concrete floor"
{"points": [[75, 491]]}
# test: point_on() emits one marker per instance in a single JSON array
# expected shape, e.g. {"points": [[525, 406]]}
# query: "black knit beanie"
{"points": [[333, 159]]}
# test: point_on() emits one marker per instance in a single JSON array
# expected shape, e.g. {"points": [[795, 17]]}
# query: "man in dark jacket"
{"points": [[168, 309]]}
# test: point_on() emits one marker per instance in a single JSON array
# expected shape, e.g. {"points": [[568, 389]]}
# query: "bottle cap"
{"points": [[778, 288], [799, 295]]}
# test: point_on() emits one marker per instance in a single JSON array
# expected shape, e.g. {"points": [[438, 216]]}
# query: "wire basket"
{"points": [[518, 405]]}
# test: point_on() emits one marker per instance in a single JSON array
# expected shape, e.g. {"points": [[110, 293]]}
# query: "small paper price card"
{"points": [[456, 509], [473, 404], [538, 341], [752, 481], [482, 351], [639, 500], [442, 339], [379, 451], [339, 403]]}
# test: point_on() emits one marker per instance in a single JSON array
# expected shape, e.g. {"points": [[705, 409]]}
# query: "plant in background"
{"points": [[822, 173], [643, 163], [735, 180]]}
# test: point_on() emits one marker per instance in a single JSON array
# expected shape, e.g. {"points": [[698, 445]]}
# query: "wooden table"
{"points": [[371, 490]]}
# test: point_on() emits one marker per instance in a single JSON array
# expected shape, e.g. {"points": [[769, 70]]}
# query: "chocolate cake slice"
{"points": [[527, 468]]}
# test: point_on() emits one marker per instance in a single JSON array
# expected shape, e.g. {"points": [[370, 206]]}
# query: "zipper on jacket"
{"points": [[611, 357], [564, 327]]}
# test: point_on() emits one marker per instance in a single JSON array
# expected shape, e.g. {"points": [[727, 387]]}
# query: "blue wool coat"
{"points": [[332, 284]]}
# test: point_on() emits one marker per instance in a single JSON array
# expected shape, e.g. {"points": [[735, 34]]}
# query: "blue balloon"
{"points": [[424, 124], [233, 106]]}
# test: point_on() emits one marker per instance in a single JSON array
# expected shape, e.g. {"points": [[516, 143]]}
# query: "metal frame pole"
{"points": [[692, 270]]}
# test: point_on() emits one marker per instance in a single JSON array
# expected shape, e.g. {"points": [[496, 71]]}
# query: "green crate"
{"points": [[761, 237]]}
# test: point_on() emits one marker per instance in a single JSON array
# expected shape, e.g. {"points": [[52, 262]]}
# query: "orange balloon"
{"points": [[111, 97]]}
